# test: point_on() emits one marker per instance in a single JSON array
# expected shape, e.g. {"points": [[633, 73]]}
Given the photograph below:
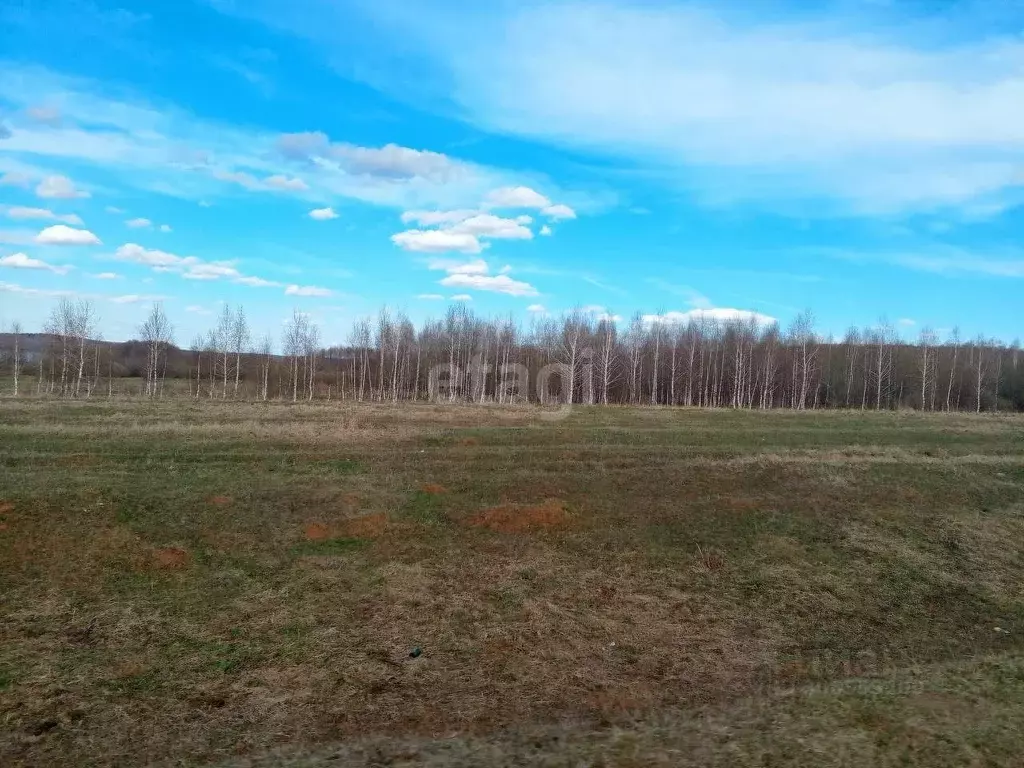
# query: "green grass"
{"points": [[724, 588]]}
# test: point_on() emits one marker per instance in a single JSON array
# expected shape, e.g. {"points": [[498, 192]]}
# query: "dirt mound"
{"points": [[469, 441], [523, 518], [6, 506], [317, 532], [366, 527], [220, 501], [170, 558], [434, 489]]}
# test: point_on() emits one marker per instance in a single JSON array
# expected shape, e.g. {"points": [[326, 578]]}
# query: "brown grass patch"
{"points": [[351, 499], [6, 506], [221, 501], [170, 558], [366, 527], [434, 489], [523, 518], [469, 441], [317, 532]]}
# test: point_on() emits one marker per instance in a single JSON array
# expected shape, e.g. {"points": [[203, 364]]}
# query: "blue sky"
{"points": [[858, 158]]}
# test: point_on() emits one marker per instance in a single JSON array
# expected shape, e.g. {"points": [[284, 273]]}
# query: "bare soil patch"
{"points": [[221, 501], [366, 527], [170, 558], [434, 489], [317, 532], [523, 518]]}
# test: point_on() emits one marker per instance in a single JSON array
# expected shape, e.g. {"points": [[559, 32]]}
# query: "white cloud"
{"points": [[21, 261], [165, 228], [241, 178], [307, 290], [430, 296], [139, 223], [107, 276], [164, 148], [59, 234], [452, 267], [517, 197], [136, 254], [210, 271], [461, 297], [490, 226], [286, 183], [495, 283], [536, 308], [15, 179], [59, 187], [435, 218], [394, 161], [19, 212], [114, 209], [256, 282], [187, 267], [906, 322], [715, 315], [46, 115], [546, 231], [198, 310], [437, 241], [559, 212], [15, 288], [323, 214], [784, 113]]}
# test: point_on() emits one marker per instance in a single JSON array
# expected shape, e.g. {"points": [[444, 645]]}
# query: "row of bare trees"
{"points": [[596, 360]]}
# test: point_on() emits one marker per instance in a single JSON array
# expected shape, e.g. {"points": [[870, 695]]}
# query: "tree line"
{"points": [[578, 357]]}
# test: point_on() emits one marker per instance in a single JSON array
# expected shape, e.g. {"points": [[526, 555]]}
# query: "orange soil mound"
{"points": [[469, 441], [6, 506], [366, 527], [317, 532], [170, 558], [434, 488], [220, 501], [522, 518]]}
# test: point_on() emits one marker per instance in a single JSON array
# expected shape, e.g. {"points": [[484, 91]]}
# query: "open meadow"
{"points": [[274, 584]]}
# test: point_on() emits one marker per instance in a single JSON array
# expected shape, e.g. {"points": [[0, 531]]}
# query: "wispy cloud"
{"points": [[939, 260], [166, 148], [714, 315], [735, 110], [308, 290], [58, 187], [24, 213], [21, 261]]}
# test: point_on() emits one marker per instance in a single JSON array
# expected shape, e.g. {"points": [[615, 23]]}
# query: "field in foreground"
{"points": [[245, 584]]}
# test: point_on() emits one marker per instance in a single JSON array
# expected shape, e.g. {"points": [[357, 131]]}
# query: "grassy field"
{"points": [[246, 584]]}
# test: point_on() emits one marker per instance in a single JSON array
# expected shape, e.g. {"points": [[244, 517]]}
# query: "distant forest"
{"points": [[578, 357]]}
